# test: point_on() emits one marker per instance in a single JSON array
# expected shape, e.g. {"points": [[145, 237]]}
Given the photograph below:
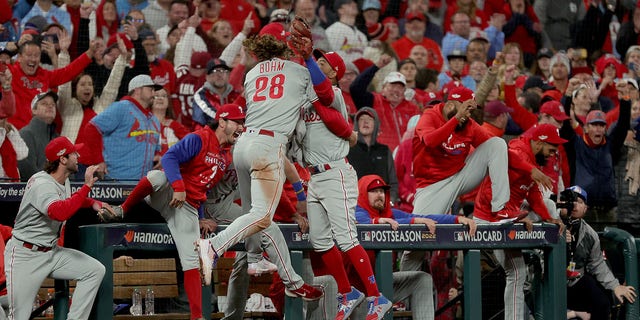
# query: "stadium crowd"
{"points": [[481, 109]]}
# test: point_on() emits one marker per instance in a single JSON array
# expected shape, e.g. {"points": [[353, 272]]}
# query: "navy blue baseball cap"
{"points": [[579, 192]]}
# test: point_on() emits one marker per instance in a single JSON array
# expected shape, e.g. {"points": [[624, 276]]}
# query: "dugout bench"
{"points": [[100, 241]]}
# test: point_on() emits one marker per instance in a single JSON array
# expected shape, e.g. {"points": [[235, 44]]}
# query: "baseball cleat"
{"points": [[115, 214], [306, 292], [208, 259], [348, 302], [378, 307], [263, 266]]}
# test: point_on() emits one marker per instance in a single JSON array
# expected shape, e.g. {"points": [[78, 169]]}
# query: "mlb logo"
{"points": [[458, 236], [296, 236], [366, 236]]}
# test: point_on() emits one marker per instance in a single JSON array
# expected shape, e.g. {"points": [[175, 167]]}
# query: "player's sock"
{"points": [[142, 189], [332, 259], [193, 288], [361, 263]]}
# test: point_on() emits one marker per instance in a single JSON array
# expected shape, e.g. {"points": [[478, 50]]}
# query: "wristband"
{"points": [[299, 190]]}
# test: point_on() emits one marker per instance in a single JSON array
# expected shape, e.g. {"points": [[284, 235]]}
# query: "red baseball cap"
{"points": [[554, 109], [199, 59], [596, 116], [415, 15], [377, 183], [276, 29], [552, 94], [334, 60], [496, 108], [60, 146], [230, 111], [547, 133], [450, 86], [461, 94]]}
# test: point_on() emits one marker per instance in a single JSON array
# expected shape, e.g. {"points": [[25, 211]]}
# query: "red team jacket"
{"points": [[438, 150], [521, 162], [393, 120], [204, 170]]}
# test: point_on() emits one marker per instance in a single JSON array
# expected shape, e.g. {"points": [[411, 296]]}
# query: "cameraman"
{"points": [[590, 278]]}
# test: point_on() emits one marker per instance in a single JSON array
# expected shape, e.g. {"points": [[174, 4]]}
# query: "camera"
{"points": [[567, 200], [53, 38], [128, 20]]}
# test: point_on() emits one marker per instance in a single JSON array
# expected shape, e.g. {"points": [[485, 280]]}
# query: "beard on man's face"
{"points": [[378, 204], [451, 114], [541, 160]]}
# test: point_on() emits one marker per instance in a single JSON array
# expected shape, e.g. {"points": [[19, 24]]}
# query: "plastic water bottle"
{"points": [[49, 312], [149, 299], [136, 302]]}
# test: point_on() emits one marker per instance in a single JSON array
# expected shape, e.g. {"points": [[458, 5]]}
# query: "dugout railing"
{"points": [[101, 241]]}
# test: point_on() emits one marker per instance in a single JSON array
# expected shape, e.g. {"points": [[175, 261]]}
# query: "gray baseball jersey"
{"points": [[276, 90], [32, 254], [333, 188], [320, 145]]}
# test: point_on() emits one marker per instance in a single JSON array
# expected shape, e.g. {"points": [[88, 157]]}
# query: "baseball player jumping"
{"points": [[276, 90], [332, 196], [32, 254], [191, 168]]}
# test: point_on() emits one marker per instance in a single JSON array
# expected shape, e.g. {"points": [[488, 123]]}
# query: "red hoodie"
{"points": [[521, 162], [438, 150], [363, 198], [5, 233]]}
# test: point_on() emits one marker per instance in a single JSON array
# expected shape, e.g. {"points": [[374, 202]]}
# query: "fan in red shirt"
{"points": [[30, 79]]}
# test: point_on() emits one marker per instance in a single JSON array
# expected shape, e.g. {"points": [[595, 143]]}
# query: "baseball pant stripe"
{"points": [[283, 261], [347, 211]]}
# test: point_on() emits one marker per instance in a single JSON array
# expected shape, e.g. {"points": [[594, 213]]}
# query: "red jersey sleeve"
{"points": [[518, 162], [431, 134], [7, 104], [520, 115], [334, 120], [62, 210], [68, 73], [91, 153], [534, 197], [324, 90]]}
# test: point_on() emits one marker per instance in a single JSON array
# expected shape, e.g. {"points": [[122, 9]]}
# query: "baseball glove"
{"points": [[300, 28], [300, 39], [303, 46], [110, 214]]}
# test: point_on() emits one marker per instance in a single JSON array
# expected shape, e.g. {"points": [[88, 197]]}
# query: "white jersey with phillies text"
{"points": [[275, 97], [320, 145]]}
